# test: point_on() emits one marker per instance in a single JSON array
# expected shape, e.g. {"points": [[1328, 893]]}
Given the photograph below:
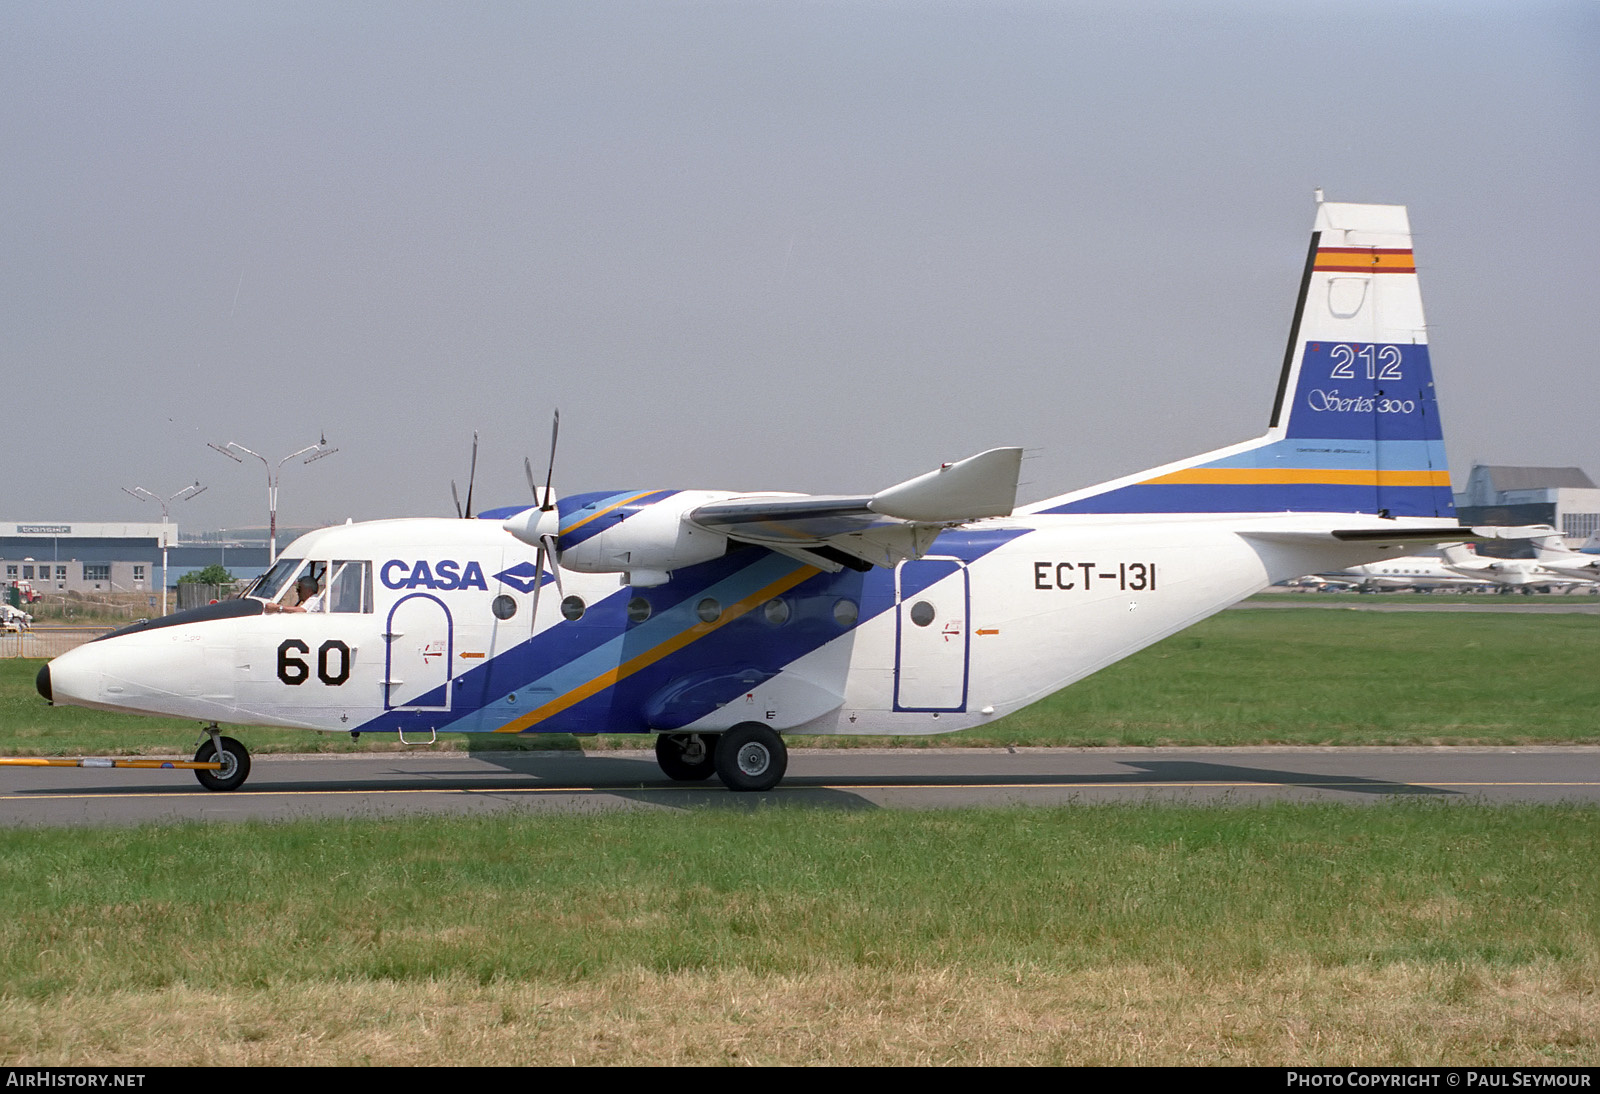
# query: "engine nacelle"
{"points": [[646, 542]]}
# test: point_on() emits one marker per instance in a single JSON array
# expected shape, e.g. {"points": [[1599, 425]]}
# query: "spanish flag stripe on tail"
{"points": [[1365, 260]]}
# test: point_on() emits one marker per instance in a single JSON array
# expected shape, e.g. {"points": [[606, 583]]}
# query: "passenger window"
{"points": [[350, 591]]}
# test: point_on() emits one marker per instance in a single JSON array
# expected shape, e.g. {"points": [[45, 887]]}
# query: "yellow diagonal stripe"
{"points": [[651, 656], [608, 509]]}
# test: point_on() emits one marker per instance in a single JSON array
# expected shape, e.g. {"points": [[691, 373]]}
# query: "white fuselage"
{"points": [[995, 617]]}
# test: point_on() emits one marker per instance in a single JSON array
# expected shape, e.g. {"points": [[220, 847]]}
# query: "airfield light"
{"points": [[185, 494], [318, 450]]}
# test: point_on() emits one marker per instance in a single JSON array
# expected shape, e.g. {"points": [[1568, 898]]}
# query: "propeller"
{"points": [[472, 476], [541, 526]]}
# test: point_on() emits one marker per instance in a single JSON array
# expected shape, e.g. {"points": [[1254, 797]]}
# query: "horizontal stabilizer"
{"points": [[1398, 536]]}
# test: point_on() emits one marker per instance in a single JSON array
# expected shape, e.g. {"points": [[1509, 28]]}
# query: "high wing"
{"points": [[869, 530]]}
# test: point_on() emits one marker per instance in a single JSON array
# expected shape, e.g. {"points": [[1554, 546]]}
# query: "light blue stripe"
{"points": [[592, 507], [646, 636], [1341, 455]]}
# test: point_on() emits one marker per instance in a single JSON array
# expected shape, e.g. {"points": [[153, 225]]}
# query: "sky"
{"points": [[812, 246]]}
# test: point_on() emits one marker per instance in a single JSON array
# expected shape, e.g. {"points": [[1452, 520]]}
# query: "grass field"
{"points": [[1409, 933], [1107, 934], [1273, 676]]}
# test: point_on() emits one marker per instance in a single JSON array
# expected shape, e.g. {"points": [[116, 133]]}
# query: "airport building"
{"points": [[1563, 497], [82, 556]]}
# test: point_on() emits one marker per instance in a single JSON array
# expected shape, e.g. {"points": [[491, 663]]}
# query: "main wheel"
{"points": [[751, 757], [235, 767], [685, 757]]}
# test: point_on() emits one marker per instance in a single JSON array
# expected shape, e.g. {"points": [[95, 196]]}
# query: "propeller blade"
{"points": [[455, 496], [472, 474], [555, 430], [547, 544], [548, 552], [538, 583]]}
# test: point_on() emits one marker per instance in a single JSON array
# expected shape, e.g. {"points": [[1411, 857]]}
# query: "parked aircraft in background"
{"points": [[1521, 573], [1580, 565], [1420, 571], [717, 620]]}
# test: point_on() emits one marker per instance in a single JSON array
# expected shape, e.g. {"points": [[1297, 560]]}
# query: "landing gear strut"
{"points": [[685, 757], [750, 757], [233, 757]]}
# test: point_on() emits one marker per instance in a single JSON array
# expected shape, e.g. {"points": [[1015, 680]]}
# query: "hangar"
{"points": [[1563, 497]]}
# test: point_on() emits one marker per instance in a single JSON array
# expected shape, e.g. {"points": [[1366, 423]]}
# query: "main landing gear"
{"points": [[747, 757], [685, 757]]}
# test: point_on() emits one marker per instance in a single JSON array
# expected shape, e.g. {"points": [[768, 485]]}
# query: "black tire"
{"points": [[235, 765], [751, 757], [685, 757]]}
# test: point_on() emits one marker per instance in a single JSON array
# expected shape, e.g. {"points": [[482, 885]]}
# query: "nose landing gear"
{"points": [[233, 757]]}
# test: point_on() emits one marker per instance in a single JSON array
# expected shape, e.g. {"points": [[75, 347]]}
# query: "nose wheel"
{"points": [[233, 757]]}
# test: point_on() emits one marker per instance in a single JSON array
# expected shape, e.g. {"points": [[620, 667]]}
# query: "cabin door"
{"points": [[931, 608], [421, 645]]}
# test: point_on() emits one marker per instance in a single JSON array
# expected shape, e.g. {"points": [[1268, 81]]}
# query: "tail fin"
{"points": [[1355, 426]]}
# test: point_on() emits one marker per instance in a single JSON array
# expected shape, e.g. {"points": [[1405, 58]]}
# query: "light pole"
{"points": [[318, 450], [182, 495]]}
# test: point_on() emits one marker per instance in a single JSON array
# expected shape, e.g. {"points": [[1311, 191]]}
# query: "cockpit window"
{"points": [[270, 584], [351, 587]]}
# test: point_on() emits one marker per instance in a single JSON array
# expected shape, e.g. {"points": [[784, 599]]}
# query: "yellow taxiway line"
{"points": [[1367, 784]]}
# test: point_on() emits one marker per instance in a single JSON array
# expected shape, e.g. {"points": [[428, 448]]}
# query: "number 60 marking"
{"points": [[292, 670]]}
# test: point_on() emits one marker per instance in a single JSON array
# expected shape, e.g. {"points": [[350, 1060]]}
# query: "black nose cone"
{"points": [[42, 682]]}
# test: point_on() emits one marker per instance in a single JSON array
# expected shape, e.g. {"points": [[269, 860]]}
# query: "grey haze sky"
{"points": [[777, 245]]}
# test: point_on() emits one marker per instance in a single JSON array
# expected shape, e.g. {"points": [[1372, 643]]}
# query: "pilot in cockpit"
{"points": [[308, 597]]}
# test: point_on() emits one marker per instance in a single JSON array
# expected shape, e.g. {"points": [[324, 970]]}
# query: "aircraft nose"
{"points": [[74, 677]]}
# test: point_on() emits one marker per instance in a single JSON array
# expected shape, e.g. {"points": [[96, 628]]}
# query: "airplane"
{"points": [[1586, 571], [1421, 571], [719, 621], [1526, 574], [1431, 569], [1581, 565]]}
